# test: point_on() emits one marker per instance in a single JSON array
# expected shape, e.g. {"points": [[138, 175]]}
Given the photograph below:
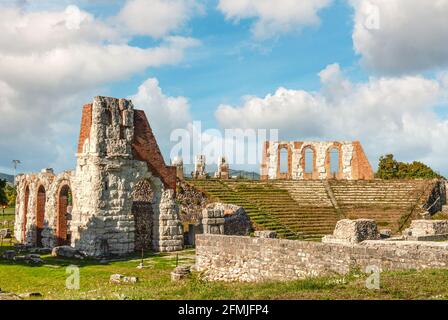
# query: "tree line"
{"points": [[389, 168]]}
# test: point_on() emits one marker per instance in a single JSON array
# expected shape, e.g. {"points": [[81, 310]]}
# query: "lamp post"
{"points": [[15, 164]]}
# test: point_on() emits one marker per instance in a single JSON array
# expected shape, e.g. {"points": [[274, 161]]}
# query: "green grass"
{"points": [[49, 279], [9, 214]]}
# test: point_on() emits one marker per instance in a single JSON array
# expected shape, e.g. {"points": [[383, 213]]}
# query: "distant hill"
{"points": [[7, 177]]}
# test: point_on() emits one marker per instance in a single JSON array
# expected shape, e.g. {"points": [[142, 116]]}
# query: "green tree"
{"points": [[11, 195], [3, 198], [389, 168]]}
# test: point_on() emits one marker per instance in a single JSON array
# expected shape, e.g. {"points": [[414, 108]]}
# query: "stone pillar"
{"points": [[199, 168], [213, 220], [223, 169], [179, 164], [168, 231]]}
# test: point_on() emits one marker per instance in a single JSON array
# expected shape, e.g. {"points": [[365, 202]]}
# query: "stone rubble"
{"points": [[180, 273], [121, 279]]}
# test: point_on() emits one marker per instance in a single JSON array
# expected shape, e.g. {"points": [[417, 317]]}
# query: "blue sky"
{"points": [[314, 69]]}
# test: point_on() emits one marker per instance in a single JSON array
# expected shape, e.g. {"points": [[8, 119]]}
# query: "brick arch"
{"points": [[314, 173], [41, 199], [287, 147], [339, 174], [62, 215]]}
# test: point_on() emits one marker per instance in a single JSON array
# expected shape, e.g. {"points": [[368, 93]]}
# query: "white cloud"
{"points": [[274, 16], [401, 36], [157, 18], [388, 115], [164, 113], [53, 61]]}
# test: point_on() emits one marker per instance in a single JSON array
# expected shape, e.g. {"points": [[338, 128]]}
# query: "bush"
{"points": [[389, 168]]}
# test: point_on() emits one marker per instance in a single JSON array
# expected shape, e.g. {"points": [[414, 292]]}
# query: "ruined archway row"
{"points": [[310, 160], [43, 207]]}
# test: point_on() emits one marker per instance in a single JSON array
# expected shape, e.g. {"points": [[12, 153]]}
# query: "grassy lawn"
{"points": [[49, 280], [155, 283], [9, 214]]}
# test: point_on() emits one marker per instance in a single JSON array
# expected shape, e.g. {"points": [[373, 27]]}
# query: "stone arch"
{"points": [[64, 200], [284, 157], [41, 200], [335, 149], [309, 173], [143, 201]]}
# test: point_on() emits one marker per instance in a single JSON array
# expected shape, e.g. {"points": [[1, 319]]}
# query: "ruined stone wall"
{"points": [[116, 151], [352, 162], [25, 228], [120, 152], [235, 258]]}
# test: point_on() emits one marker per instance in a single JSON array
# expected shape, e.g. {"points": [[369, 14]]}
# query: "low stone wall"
{"points": [[236, 258]]}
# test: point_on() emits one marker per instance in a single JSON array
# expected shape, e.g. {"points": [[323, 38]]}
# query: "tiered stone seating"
{"points": [[385, 201], [303, 209], [262, 218]]}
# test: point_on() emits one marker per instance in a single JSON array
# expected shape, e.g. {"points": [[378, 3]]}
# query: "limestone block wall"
{"points": [[235, 258], [352, 162]]}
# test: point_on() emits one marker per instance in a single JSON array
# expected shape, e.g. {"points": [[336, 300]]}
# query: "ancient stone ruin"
{"points": [[120, 197], [178, 162], [308, 160], [223, 169], [199, 168]]}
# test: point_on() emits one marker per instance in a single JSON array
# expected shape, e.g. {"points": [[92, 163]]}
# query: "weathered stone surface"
{"points": [[9, 296], [116, 151], [66, 252], [266, 234], [121, 279], [199, 168], [427, 228], [235, 258], [353, 231], [353, 163], [180, 273], [9, 254], [223, 169], [29, 258]]}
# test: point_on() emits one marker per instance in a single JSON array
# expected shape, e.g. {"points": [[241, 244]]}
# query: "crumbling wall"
{"points": [[116, 151], [25, 228], [352, 162]]}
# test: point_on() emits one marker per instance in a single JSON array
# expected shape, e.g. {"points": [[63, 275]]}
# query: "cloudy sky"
{"points": [[368, 70]]}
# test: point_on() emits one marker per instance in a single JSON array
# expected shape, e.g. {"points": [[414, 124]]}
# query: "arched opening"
{"points": [[334, 162], [40, 214], [65, 206], [143, 197], [25, 213], [284, 166], [309, 160]]}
